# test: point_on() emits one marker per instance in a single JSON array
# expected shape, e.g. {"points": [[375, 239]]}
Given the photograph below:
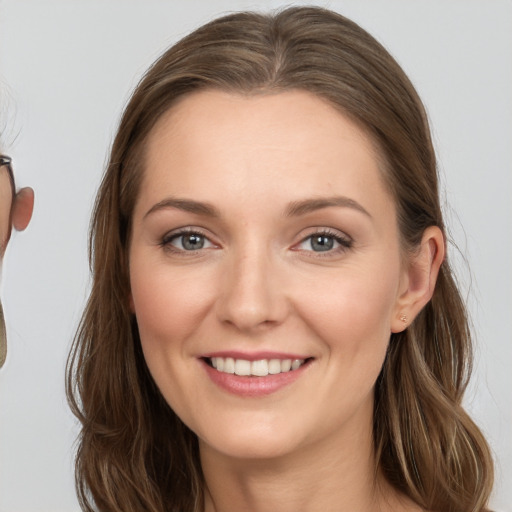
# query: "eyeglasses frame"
{"points": [[7, 162]]}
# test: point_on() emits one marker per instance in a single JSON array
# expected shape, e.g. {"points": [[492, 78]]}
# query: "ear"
{"points": [[419, 279], [22, 208]]}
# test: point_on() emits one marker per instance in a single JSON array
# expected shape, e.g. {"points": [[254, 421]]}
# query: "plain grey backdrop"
{"points": [[67, 68]]}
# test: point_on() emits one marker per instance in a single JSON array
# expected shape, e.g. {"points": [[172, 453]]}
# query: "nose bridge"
{"points": [[250, 296]]}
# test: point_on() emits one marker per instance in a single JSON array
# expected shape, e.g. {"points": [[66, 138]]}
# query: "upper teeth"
{"points": [[259, 368]]}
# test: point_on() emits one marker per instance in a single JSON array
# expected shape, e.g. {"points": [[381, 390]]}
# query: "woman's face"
{"points": [[264, 236]]}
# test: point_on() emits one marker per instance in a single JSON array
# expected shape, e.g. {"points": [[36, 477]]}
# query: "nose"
{"points": [[251, 295]]}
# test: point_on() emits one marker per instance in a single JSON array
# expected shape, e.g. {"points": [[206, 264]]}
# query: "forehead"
{"points": [[257, 148], [263, 113]]}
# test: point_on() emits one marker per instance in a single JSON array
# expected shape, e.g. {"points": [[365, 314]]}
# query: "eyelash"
{"points": [[344, 242], [167, 240]]}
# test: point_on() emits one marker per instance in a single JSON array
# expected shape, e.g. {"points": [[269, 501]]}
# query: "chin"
{"points": [[250, 448], [258, 441]]}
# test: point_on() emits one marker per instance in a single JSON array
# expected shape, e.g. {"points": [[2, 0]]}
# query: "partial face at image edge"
{"points": [[15, 210]]}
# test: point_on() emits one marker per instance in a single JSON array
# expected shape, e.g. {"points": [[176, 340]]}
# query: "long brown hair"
{"points": [[134, 453]]}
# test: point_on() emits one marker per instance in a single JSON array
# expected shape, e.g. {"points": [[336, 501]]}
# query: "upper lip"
{"points": [[254, 356]]}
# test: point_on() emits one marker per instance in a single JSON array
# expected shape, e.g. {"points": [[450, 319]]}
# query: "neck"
{"points": [[335, 475]]}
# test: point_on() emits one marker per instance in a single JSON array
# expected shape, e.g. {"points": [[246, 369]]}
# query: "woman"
{"points": [[273, 324], [15, 210]]}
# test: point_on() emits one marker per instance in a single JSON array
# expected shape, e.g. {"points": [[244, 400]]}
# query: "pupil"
{"points": [[322, 243], [193, 242]]}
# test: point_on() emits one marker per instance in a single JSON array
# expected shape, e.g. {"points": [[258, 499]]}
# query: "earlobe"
{"points": [[421, 277], [22, 208]]}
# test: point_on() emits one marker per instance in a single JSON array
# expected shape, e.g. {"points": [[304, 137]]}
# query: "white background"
{"points": [[66, 70]]}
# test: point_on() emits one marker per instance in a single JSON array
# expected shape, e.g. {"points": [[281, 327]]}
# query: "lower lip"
{"points": [[253, 386]]}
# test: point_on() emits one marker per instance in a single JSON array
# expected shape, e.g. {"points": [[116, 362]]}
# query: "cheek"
{"points": [[351, 309], [169, 306], [168, 303], [4, 221]]}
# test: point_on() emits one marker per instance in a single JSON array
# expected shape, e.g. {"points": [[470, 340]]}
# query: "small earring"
{"points": [[403, 318]]}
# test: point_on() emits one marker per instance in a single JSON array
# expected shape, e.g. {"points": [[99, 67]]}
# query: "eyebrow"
{"points": [[186, 205], [294, 209], [298, 208]]}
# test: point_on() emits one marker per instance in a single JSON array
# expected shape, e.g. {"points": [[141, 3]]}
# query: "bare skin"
{"points": [[20, 211], [263, 227], [343, 482], [5, 208], [14, 212]]}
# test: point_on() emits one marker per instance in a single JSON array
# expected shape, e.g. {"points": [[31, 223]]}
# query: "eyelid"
{"points": [[186, 230], [326, 231], [175, 233], [345, 241]]}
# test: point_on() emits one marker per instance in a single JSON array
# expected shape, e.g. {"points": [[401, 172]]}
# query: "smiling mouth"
{"points": [[259, 368]]}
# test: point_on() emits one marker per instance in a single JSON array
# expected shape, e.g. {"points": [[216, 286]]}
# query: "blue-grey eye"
{"points": [[189, 241], [320, 243], [324, 242], [192, 242]]}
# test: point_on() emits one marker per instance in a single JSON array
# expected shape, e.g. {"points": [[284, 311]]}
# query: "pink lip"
{"points": [[254, 356], [253, 386]]}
